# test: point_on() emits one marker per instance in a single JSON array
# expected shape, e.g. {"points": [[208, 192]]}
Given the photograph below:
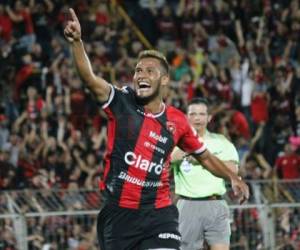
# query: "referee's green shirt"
{"points": [[195, 181]]}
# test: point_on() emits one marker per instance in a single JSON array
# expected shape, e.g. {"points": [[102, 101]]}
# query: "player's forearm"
{"points": [[97, 85], [233, 166], [216, 166], [82, 61]]}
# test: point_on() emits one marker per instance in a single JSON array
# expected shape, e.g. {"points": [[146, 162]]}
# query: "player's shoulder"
{"points": [[124, 93], [175, 112], [220, 137], [217, 136], [124, 89]]}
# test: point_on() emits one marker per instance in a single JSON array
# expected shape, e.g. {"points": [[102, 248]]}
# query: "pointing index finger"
{"points": [[73, 15]]}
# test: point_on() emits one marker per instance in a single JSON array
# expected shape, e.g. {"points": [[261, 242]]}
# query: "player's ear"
{"points": [[165, 79]]}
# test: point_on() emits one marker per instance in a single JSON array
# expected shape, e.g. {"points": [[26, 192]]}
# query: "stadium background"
{"points": [[241, 55]]}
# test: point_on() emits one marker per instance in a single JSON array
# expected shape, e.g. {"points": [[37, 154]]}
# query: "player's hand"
{"points": [[72, 30], [240, 190]]}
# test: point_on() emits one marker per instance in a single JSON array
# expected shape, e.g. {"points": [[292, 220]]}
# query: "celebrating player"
{"points": [[142, 132]]}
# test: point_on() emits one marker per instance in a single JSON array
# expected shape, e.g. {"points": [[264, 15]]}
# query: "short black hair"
{"points": [[199, 100], [155, 54]]}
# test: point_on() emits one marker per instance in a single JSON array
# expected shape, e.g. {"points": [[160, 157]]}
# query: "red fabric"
{"points": [[78, 102], [29, 168], [78, 116], [289, 165], [102, 18], [225, 92], [33, 109], [190, 91], [2, 117], [21, 76], [28, 21], [259, 109], [240, 124], [39, 104], [5, 27]]}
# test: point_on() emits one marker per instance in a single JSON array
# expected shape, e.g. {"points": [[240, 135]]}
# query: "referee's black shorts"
{"points": [[130, 229]]}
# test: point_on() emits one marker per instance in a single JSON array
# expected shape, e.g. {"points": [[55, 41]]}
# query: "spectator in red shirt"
{"points": [[288, 165], [240, 126], [23, 25], [5, 25], [260, 99]]}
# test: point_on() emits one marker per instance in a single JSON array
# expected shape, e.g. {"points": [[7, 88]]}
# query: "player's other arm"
{"points": [[232, 165], [97, 85], [219, 169]]}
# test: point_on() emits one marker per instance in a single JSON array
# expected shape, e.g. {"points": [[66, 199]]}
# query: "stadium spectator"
{"points": [[288, 165]]}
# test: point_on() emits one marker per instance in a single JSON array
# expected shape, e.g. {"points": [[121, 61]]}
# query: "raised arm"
{"points": [[219, 169], [96, 84]]}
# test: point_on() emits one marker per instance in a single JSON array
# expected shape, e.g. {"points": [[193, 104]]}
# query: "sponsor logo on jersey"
{"points": [[154, 147], [162, 139], [171, 127], [169, 236], [139, 182], [185, 166], [139, 162]]}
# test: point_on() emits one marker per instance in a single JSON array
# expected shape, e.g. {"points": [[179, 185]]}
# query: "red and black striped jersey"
{"points": [[137, 160]]}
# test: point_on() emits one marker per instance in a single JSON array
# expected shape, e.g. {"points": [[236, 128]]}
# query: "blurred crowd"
{"points": [[243, 56]]}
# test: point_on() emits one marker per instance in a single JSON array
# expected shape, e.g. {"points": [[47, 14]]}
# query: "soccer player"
{"points": [[203, 213], [142, 133]]}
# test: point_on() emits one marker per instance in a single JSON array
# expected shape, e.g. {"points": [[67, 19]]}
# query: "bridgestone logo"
{"points": [[169, 236], [134, 180], [139, 162]]}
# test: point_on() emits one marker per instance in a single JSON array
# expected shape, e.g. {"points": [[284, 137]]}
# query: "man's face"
{"points": [[148, 78], [198, 116]]}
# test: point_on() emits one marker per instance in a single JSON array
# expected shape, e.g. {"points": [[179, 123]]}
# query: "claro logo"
{"points": [[139, 162]]}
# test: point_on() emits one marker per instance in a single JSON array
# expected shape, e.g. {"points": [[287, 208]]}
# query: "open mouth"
{"points": [[144, 85]]}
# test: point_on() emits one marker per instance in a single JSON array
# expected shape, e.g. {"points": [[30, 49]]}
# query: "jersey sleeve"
{"points": [[118, 99], [189, 141], [112, 94]]}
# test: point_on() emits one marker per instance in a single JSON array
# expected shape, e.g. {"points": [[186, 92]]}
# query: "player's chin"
{"points": [[144, 93], [144, 99], [143, 96]]}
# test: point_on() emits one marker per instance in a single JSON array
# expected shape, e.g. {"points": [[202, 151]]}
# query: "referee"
{"points": [[203, 214]]}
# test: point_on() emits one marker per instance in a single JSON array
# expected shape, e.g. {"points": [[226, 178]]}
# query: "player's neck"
{"points": [[154, 107]]}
